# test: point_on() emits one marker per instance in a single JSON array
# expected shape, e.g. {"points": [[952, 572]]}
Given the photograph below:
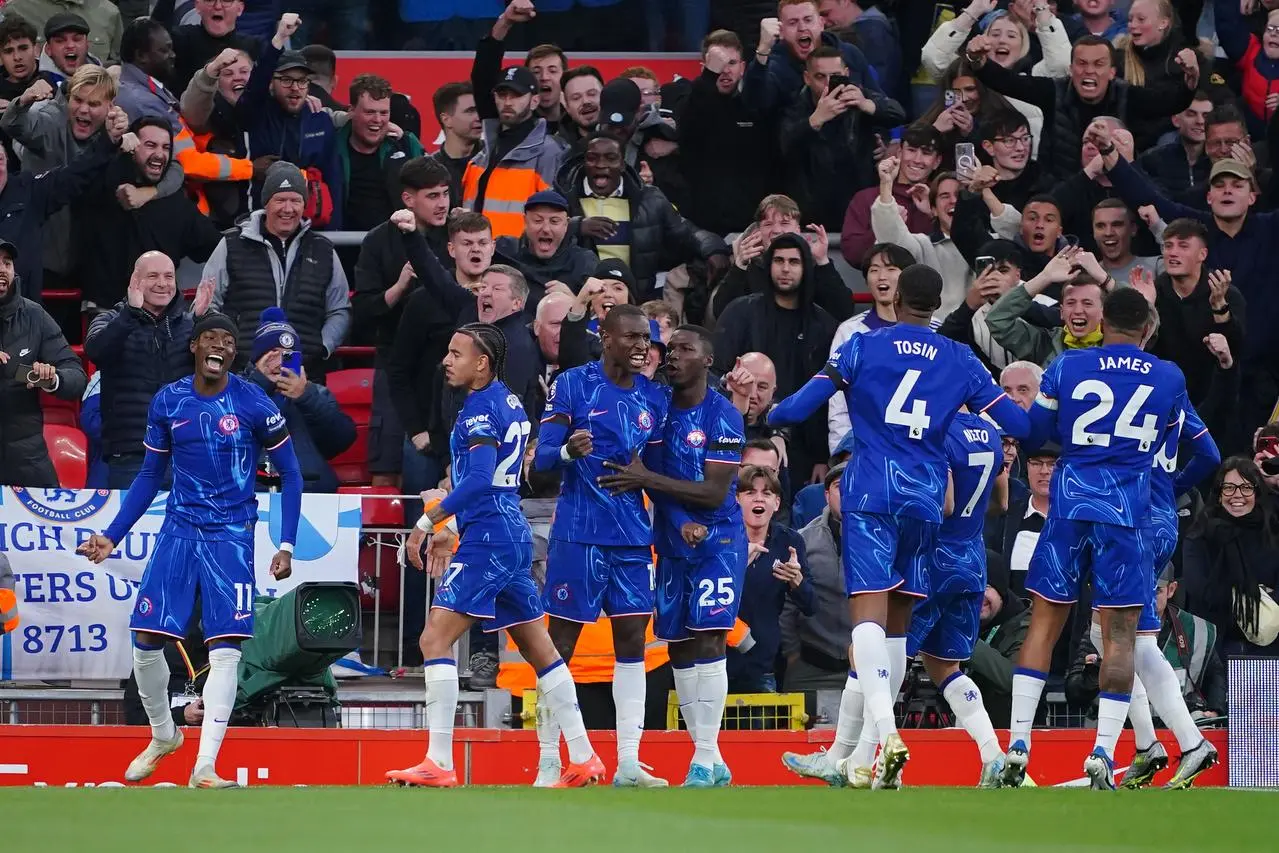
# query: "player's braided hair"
{"points": [[492, 343]]}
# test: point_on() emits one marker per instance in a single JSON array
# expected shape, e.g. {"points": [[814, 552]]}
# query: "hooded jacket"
{"points": [[137, 354], [659, 237], [28, 334], [798, 342], [570, 264], [829, 290]]}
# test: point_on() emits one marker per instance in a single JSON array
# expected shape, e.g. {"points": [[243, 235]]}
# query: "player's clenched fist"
{"points": [[693, 533], [579, 444], [281, 565], [97, 549]]}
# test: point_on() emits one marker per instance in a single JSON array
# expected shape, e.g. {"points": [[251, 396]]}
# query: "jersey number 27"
{"points": [[507, 473]]}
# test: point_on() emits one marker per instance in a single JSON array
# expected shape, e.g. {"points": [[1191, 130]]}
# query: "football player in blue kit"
{"points": [[212, 428], [700, 541], [489, 578], [1111, 406], [599, 556], [904, 385], [1155, 682]]}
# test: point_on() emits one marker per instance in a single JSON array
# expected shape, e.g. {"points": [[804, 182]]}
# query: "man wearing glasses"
{"points": [[283, 125]]}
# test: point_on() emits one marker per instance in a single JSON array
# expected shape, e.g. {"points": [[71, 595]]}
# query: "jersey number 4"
{"points": [[916, 419], [507, 473], [1144, 433]]}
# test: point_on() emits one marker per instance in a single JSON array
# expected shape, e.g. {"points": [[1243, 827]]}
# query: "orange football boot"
{"points": [[428, 774], [589, 772]]}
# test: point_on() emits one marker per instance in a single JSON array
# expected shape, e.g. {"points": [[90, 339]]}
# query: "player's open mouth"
{"points": [[639, 359], [213, 363]]}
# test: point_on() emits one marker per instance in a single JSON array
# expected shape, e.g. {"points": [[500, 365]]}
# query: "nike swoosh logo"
{"points": [[240, 617], [220, 721], [177, 424], [600, 412], [717, 611], [1019, 722]]}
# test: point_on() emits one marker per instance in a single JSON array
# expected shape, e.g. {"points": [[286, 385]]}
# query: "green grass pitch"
{"points": [[604, 820]]}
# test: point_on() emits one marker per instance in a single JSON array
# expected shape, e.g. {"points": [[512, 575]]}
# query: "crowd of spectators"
{"points": [[1037, 154]]}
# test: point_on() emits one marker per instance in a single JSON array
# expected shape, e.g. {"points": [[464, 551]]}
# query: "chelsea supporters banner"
{"points": [[75, 615]]}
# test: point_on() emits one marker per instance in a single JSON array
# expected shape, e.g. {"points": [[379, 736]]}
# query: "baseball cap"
{"points": [[1231, 167], [1001, 251], [517, 79], [547, 198], [6, 246], [1048, 448], [65, 22], [290, 60], [620, 100]]}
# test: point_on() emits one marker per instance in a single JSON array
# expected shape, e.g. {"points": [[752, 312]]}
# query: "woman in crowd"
{"points": [[963, 104], [1046, 53], [1148, 57], [1231, 559], [1255, 57]]}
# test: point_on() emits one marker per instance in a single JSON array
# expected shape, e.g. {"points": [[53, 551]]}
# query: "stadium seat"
{"points": [[353, 390], [388, 579], [58, 412], [377, 511], [69, 450]]}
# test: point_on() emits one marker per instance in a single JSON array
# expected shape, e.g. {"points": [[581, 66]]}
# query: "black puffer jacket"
{"points": [[28, 335], [661, 239], [138, 353]]}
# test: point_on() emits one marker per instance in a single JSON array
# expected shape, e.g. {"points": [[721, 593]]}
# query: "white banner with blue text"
{"points": [[75, 615]]}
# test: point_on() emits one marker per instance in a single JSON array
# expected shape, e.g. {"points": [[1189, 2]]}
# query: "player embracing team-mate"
{"points": [[904, 386]]}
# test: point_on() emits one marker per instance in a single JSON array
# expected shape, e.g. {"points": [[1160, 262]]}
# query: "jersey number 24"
{"points": [[1144, 433]]}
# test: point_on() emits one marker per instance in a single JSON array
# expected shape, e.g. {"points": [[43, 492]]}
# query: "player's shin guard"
{"points": [[151, 670], [870, 656], [548, 729], [1112, 711], [1165, 691], [1028, 687], [628, 697], [964, 698], [848, 729], [712, 693], [560, 693], [441, 709], [686, 691], [219, 699]]}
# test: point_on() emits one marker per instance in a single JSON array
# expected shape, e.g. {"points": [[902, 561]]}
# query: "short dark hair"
{"points": [[722, 38], [618, 312], [377, 88], [15, 27], [151, 121], [825, 51], [542, 51], [702, 333], [919, 287], [419, 173], [920, 135], [321, 58], [747, 476], [1125, 309], [137, 37], [1002, 123], [1043, 198], [762, 444], [1091, 40], [1185, 228], [446, 97], [582, 71], [896, 255], [1113, 204], [1225, 114], [467, 222]]}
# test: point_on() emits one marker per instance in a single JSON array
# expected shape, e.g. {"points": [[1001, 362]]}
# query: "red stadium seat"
{"points": [[59, 412], [375, 511], [353, 390], [69, 450]]}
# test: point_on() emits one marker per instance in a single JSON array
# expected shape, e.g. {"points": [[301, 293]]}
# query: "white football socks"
{"points": [[1165, 691], [686, 690], [1112, 711], [1143, 726], [219, 700], [1028, 687], [871, 660], [848, 729], [628, 698], [964, 698], [870, 738], [548, 730], [151, 671], [441, 709], [712, 693], [560, 693]]}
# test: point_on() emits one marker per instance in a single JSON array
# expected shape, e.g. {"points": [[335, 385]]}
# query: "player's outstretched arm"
{"points": [[286, 462], [140, 495], [805, 402]]}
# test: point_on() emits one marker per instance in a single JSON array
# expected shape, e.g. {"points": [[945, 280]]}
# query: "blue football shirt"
{"points": [[976, 455], [493, 416], [1163, 475], [1111, 406], [905, 384], [710, 433], [622, 422], [213, 444]]}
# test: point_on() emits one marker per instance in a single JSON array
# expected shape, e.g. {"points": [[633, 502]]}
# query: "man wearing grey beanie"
{"points": [[275, 259]]}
